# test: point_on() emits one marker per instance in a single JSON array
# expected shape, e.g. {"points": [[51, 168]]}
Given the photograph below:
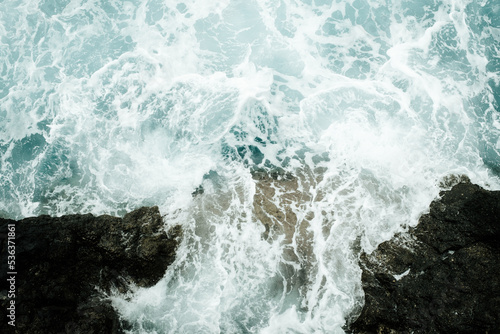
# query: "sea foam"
{"points": [[284, 136]]}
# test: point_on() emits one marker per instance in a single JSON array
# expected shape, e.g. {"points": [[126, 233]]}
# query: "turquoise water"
{"points": [[106, 106]]}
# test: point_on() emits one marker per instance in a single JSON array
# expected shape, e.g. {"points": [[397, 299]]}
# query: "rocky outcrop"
{"points": [[441, 277], [64, 265]]}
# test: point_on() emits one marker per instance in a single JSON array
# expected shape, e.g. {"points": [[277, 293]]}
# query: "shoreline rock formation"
{"points": [[443, 276], [65, 265]]}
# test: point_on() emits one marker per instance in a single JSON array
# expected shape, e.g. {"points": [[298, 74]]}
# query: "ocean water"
{"points": [[285, 136]]}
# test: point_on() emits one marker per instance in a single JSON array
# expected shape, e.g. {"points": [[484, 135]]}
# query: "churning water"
{"points": [[284, 135]]}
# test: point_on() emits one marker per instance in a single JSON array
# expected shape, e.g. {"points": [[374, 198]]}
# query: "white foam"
{"points": [[139, 103]]}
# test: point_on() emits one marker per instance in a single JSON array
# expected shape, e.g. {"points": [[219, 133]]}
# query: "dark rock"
{"points": [[441, 277], [66, 264]]}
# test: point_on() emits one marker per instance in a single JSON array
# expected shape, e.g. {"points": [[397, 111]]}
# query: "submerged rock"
{"points": [[442, 276], [278, 195], [65, 265]]}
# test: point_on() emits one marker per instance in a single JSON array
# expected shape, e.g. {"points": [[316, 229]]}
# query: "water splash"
{"points": [[311, 130]]}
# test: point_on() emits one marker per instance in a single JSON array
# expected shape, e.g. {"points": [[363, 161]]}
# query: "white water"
{"points": [[106, 106]]}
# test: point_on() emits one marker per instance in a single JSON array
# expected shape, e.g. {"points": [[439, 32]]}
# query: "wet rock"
{"points": [[65, 265], [278, 196], [441, 277]]}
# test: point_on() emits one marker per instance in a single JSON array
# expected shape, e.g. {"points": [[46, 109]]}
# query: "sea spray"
{"points": [[285, 137]]}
